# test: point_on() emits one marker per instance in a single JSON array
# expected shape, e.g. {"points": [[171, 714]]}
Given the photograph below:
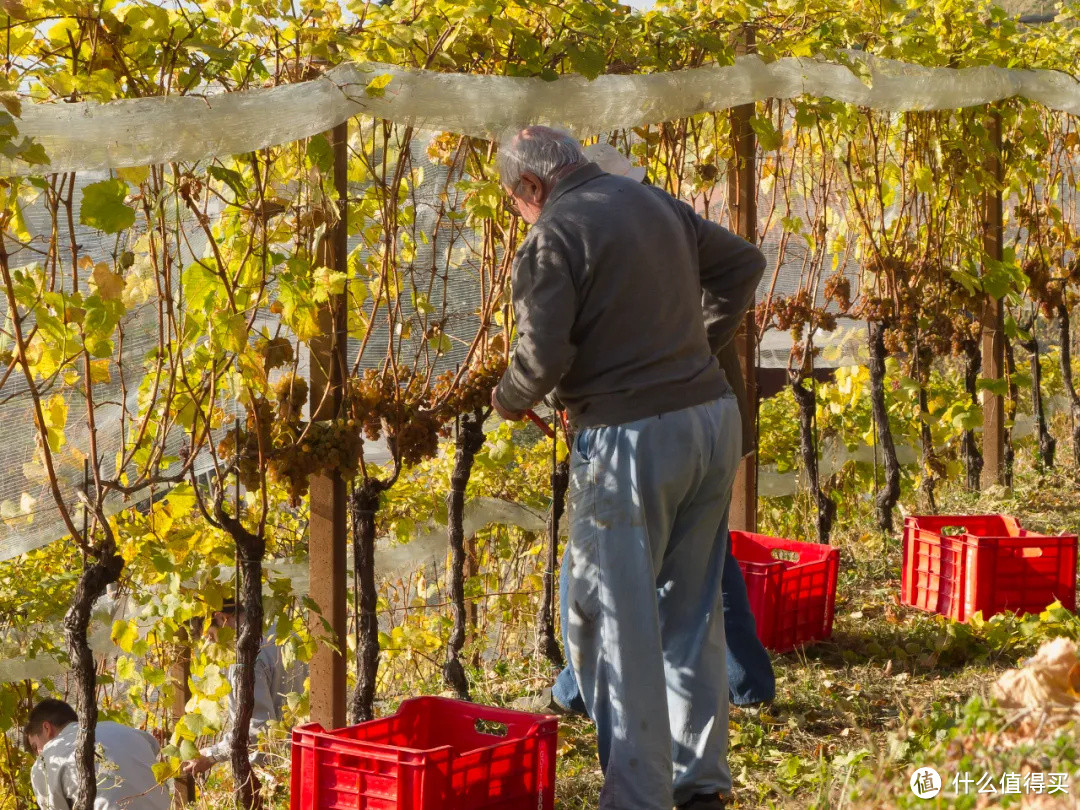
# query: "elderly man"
{"points": [[751, 680], [125, 776], [608, 291]]}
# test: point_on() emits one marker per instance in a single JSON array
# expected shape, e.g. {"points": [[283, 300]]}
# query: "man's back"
{"points": [[124, 770], [616, 270]]}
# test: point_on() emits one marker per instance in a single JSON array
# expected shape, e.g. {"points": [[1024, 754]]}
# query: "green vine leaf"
{"points": [[103, 207]]}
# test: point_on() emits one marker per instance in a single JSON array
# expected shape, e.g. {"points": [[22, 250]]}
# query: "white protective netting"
{"points": [[140, 132], [427, 551]]}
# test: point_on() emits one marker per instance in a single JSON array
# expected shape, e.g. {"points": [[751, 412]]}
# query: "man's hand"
{"points": [[193, 767], [512, 416]]}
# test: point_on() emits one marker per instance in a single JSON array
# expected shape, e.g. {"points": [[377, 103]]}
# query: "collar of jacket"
{"points": [[579, 176], [68, 732]]}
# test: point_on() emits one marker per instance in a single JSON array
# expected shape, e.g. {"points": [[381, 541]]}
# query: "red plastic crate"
{"points": [[792, 599], [434, 754], [960, 565]]}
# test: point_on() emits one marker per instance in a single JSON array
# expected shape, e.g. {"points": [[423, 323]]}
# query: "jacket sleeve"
{"points": [[545, 304], [46, 778], [267, 704], [263, 711], [730, 269], [220, 751], [155, 746]]}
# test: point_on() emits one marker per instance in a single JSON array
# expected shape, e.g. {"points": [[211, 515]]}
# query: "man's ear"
{"points": [[535, 185]]}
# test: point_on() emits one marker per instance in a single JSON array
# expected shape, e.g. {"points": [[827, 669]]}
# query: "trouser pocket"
{"points": [[581, 565]]}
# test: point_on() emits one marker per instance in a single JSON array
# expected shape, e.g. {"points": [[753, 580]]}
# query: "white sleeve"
{"points": [[46, 779], [151, 740], [220, 751], [262, 712]]}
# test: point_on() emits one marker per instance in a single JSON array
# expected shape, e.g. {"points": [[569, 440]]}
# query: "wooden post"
{"points": [[328, 529], [993, 317], [742, 199], [179, 675]]}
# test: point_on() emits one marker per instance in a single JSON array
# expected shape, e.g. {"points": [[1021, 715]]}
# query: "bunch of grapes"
{"points": [[399, 410], [1048, 291], [876, 308], [792, 311], [325, 447], [242, 446], [965, 330], [417, 438], [824, 320], [364, 402], [838, 291], [473, 392], [291, 392], [933, 318]]}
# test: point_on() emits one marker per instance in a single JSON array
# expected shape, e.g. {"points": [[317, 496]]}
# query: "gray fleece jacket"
{"points": [[609, 289]]}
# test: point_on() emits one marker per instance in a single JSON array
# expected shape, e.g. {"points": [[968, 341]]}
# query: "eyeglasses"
{"points": [[511, 203]]}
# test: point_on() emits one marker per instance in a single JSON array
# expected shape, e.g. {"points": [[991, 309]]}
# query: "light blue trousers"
{"points": [[643, 621]]}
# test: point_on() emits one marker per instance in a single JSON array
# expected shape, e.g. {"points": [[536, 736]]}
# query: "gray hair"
{"points": [[544, 151]]}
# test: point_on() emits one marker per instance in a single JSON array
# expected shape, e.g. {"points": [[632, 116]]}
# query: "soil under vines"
{"points": [[892, 689]]}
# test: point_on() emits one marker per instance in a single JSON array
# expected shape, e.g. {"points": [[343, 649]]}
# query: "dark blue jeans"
{"points": [[750, 673]]}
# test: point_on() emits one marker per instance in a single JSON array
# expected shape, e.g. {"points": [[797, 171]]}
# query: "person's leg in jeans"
{"points": [[566, 693], [565, 690], [691, 616], [750, 674], [642, 601]]}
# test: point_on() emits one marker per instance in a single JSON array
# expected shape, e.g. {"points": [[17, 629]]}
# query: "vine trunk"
{"points": [[363, 505], [97, 575], [889, 493], [469, 440]]}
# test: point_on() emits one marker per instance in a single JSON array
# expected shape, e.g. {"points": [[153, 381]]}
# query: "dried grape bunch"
{"points": [[473, 391], [290, 393], [838, 291], [443, 148]]}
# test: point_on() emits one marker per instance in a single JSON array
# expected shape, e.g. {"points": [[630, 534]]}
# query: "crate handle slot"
{"points": [[953, 531], [784, 554], [1029, 551], [491, 728]]}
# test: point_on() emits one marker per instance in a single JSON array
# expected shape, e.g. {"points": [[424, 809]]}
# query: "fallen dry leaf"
{"points": [[1051, 678]]}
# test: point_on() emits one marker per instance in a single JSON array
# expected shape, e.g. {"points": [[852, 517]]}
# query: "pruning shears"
{"points": [[544, 426]]}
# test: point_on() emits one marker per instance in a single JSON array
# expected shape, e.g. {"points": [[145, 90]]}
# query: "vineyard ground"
{"points": [[894, 689]]}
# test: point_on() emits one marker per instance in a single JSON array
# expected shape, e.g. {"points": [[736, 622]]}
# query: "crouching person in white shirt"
{"points": [[124, 762], [273, 681]]}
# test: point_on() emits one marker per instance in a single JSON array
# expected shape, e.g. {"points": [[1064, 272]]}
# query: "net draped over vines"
{"points": [[140, 132]]}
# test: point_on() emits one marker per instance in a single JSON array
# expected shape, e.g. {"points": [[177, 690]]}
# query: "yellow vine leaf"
{"points": [[110, 285]]}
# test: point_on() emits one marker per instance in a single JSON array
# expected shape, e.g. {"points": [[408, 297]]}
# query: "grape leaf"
{"points": [[103, 207], [110, 285]]}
